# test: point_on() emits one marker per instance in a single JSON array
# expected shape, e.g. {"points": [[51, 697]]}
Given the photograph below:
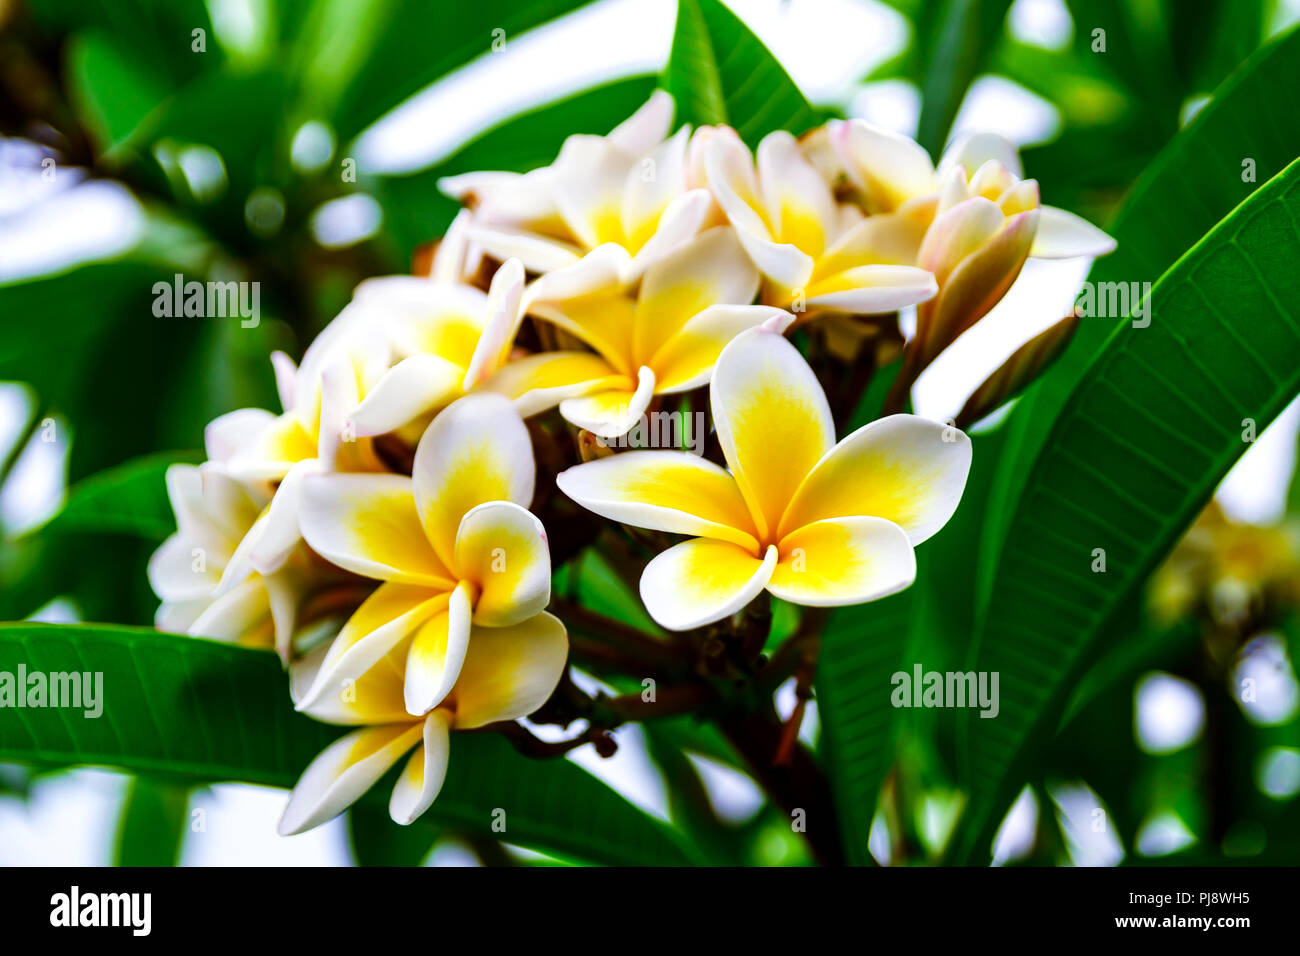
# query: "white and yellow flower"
{"points": [[445, 339], [276, 452], [629, 188], [811, 521], [507, 673], [454, 545], [403, 348], [659, 339], [810, 248], [972, 223], [213, 516]]}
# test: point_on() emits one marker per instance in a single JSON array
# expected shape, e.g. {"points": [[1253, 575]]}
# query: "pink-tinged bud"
{"points": [[1015, 374], [974, 268], [975, 253]]}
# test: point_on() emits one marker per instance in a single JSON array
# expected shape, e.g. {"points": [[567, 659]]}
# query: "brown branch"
{"points": [[604, 639]]}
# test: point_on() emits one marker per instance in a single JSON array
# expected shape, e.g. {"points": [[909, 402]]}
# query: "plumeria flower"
{"points": [[981, 220], [663, 340], [276, 452], [213, 516], [891, 170], [507, 673], [806, 244], [404, 347], [811, 521], [454, 544], [628, 188], [446, 339]]}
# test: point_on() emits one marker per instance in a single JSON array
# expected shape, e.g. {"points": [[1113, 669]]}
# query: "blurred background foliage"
{"points": [[234, 126]]}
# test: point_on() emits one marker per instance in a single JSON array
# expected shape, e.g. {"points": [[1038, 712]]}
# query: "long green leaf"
{"points": [[1153, 426], [1193, 184], [202, 711], [152, 827], [964, 36], [378, 54], [719, 72], [865, 645]]}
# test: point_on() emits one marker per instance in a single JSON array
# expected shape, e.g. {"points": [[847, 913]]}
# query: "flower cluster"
{"points": [[377, 533]]}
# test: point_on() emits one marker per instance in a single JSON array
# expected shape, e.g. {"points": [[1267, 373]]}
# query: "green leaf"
{"points": [[865, 645], [378, 841], [87, 333], [159, 33], [115, 91], [719, 72], [201, 711], [1150, 430], [130, 498], [965, 33], [364, 59], [1193, 183], [153, 823]]}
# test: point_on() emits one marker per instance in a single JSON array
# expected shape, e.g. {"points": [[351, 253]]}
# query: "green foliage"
{"points": [[1116, 448], [1142, 441], [153, 824], [197, 711], [127, 499], [719, 72]]}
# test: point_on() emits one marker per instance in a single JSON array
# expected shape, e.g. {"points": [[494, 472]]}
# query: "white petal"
{"points": [[234, 431], [772, 418], [235, 615], [686, 360], [172, 573], [669, 491], [651, 185], [418, 786], [602, 268], [286, 372], [613, 413], [501, 549], [476, 450], [279, 533], [1063, 235], [436, 654], [412, 387], [449, 259], [537, 253], [503, 318], [887, 166], [374, 630], [641, 131], [510, 671], [843, 561], [369, 525], [975, 149], [903, 468], [799, 203], [874, 289], [701, 581], [681, 221], [343, 771]]}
